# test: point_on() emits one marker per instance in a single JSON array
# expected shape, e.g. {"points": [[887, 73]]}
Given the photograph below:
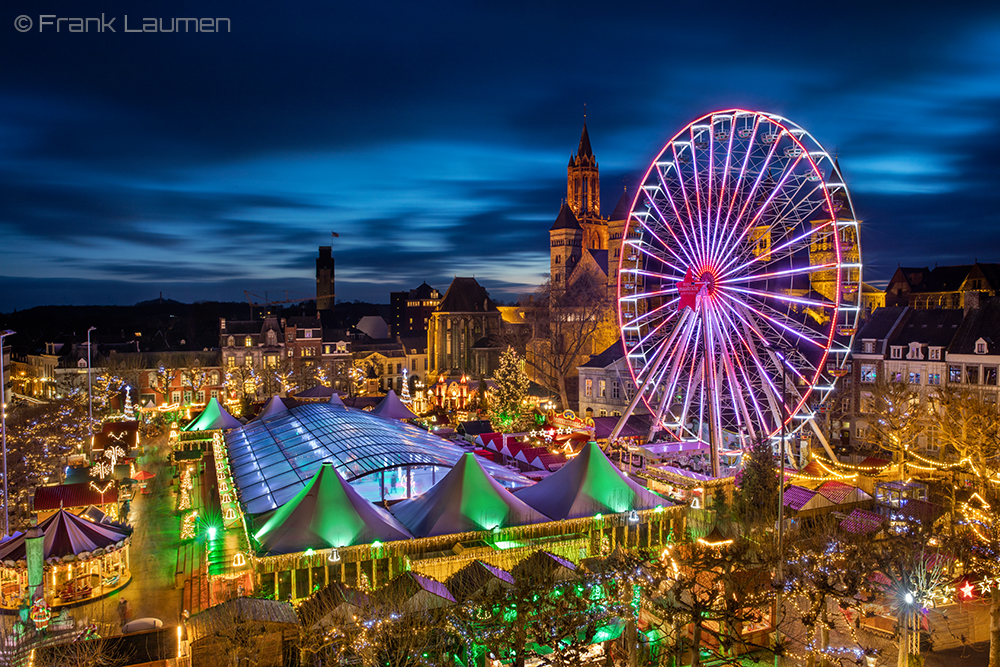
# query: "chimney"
{"points": [[222, 324]]}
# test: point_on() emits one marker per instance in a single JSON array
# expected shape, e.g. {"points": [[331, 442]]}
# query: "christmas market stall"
{"points": [[198, 434], [66, 559]]}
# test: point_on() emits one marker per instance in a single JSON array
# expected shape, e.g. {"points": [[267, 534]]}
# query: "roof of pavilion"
{"points": [[274, 458], [326, 513], [467, 499], [214, 416], [589, 484], [66, 534]]}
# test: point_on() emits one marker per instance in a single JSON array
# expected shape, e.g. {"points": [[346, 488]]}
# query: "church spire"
{"points": [[584, 149]]}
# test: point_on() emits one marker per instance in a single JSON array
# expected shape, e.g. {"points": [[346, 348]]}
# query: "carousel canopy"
{"points": [[326, 513], [392, 408], [466, 499], [66, 534], [273, 459], [274, 406], [213, 417], [589, 484]]}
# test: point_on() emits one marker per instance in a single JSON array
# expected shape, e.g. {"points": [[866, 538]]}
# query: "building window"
{"points": [[869, 347], [972, 374], [290, 352], [308, 333], [413, 364], [604, 413], [187, 396], [915, 352], [175, 397], [868, 373], [248, 341], [588, 387], [249, 360], [230, 342], [955, 374], [152, 379], [614, 389], [272, 361], [990, 375], [897, 376], [399, 368], [914, 378], [201, 395], [896, 352], [272, 338], [934, 378], [213, 377], [980, 346], [215, 394], [934, 354], [603, 389]]}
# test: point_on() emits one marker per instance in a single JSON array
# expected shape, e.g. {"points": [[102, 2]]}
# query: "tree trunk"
{"points": [[696, 644], [994, 628], [903, 657], [563, 395]]}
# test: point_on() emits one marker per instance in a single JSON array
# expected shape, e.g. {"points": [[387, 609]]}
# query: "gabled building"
{"points": [[251, 343], [410, 312], [463, 333], [606, 387], [973, 356], [953, 287]]}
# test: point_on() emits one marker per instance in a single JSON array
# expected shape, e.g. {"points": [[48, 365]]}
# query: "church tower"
{"points": [[583, 194]]}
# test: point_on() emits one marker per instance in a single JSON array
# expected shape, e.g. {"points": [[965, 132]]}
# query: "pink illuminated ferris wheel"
{"points": [[739, 270]]}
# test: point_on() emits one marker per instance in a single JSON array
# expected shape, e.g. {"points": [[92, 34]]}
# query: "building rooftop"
{"points": [[465, 295]]}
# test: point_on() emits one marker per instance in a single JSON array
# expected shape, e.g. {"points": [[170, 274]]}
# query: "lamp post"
{"points": [[780, 353], [90, 389], [3, 430]]}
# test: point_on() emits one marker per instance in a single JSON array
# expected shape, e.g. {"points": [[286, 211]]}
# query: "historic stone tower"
{"points": [[325, 293]]}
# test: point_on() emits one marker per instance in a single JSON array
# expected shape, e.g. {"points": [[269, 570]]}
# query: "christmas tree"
{"points": [[404, 393], [507, 396], [129, 412]]}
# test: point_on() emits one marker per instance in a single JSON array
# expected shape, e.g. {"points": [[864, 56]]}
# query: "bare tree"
{"points": [[194, 377], [896, 414], [566, 326]]}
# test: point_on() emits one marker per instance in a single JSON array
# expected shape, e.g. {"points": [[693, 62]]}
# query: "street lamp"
{"points": [[3, 430], [90, 389]]}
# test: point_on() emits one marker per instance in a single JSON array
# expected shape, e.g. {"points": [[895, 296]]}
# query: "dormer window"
{"points": [[272, 338], [982, 347], [308, 333], [230, 341], [896, 352], [934, 354], [869, 347], [915, 352], [248, 341]]}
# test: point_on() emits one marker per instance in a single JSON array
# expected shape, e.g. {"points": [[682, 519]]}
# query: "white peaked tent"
{"points": [[466, 499], [214, 416], [335, 399], [274, 406], [326, 513], [392, 408], [589, 484]]}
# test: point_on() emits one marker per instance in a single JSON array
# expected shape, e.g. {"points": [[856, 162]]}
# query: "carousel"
{"points": [[70, 557]]}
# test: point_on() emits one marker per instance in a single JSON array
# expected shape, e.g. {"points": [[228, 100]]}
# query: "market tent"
{"points": [[392, 408], [326, 513], [319, 391], [335, 399], [411, 592], [466, 499], [274, 406], [66, 534], [478, 580], [214, 416], [800, 499], [840, 493], [589, 484]]}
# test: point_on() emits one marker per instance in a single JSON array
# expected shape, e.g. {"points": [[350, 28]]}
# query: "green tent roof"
{"points": [[589, 484], [213, 417], [466, 499], [326, 513]]}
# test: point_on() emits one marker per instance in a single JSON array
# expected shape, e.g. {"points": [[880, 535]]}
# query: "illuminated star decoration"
{"points": [[688, 291], [967, 590]]}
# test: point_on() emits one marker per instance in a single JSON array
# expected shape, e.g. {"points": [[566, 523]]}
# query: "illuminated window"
{"points": [[603, 390], [934, 354], [308, 333], [955, 374], [201, 396], [188, 396], [868, 373], [990, 375], [981, 347], [230, 341], [175, 397], [215, 393], [588, 387], [249, 360], [934, 378], [248, 341], [272, 361], [914, 378]]}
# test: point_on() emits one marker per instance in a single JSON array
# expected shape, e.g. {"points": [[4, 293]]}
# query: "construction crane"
{"points": [[267, 303]]}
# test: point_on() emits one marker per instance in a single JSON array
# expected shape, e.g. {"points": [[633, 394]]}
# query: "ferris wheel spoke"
{"points": [[803, 239], [781, 297], [696, 248], [749, 198], [666, 225]]}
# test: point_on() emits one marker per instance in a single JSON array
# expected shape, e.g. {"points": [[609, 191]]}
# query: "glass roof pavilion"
{"points": [[384, 459]]}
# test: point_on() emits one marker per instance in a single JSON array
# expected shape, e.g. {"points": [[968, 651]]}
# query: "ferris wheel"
{"points": [[739, 280]]}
